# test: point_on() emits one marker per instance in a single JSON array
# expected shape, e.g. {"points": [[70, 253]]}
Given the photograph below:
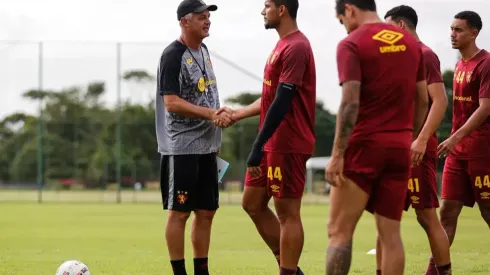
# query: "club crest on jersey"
{"points": [[201, 85], [181, 197], [390, 37]]}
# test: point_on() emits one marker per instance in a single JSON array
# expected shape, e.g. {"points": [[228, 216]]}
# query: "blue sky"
{"points": [[237, 33]]}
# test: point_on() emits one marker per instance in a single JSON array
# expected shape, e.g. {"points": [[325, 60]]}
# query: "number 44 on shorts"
{"points": [[482, 181], [274, 173]]}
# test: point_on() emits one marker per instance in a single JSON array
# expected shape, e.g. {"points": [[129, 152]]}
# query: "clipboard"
{"points": [[222, 167]]}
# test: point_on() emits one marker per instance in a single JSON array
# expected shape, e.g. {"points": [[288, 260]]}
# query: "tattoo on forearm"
{"points": [[346, 120], [339, 259]]}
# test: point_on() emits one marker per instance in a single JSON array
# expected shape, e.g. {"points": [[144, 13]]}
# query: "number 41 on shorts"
{"points": [[413, 185]]}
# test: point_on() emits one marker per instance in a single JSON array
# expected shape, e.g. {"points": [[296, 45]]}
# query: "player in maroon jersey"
{"points": [[466, 175], [384, 105], [277, 161], [422, 186]]}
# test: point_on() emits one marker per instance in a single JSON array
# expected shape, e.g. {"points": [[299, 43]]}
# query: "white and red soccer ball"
{"points": [[72, 267]]}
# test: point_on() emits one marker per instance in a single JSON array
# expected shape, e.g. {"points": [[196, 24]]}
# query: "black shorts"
{"points": [[189, 182]]}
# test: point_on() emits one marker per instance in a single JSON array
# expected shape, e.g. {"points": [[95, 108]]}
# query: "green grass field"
{"points": [[129, 239]]}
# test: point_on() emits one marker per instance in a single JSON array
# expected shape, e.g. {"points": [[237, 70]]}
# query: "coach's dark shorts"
{"points": [[189, 182]]}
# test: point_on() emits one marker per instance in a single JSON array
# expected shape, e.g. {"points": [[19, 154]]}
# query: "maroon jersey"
{"points": [[388, 62], [471, 82], [291, 61], [432, 75]]}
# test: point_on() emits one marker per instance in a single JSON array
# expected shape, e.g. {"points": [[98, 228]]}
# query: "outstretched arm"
{"points": [[248, 111]]}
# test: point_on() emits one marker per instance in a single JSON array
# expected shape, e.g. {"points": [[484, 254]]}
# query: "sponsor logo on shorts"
{"points": [[390, 37], [275, 188], [485, 195], [415, 199], [181, 197]]}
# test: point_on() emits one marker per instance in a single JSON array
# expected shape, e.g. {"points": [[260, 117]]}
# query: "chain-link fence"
{"points": [[78, 123]]}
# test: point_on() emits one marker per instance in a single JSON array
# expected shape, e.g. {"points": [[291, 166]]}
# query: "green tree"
{"points": [[79, 136]]}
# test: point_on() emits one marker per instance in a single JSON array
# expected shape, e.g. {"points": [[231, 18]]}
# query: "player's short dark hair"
{"points": [[472, 19], [365, 5], [291, 5], [404, 13]]}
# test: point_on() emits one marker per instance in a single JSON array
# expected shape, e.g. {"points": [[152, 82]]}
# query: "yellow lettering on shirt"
{"points": [[390, 37], [460, 77], [392, 49], [463, 98]]}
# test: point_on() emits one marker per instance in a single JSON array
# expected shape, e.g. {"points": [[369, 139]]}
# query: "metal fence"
{"points": [[42, 163]]}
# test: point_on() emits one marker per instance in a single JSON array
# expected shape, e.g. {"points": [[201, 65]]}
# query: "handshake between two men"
{"points": [[225, 117]]}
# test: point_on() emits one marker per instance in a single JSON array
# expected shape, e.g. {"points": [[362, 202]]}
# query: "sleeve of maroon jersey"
{"points": [[484, 73], [294, 60], [432, 68], [348, 61], [421, 70]]}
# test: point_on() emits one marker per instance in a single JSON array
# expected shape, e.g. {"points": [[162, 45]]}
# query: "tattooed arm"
{"points": [[347, 116]]}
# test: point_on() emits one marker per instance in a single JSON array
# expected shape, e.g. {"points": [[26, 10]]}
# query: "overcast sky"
{"points": [[237, 33]]}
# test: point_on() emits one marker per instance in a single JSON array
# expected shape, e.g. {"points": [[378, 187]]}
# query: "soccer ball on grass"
{"points": [[72, 267]]}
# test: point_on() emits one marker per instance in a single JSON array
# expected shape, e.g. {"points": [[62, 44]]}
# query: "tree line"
{"points": [[79, 140]]}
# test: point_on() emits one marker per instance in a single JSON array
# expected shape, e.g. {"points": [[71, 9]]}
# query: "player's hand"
{"points": [[254, 171], [334, 172], [447, 146], [418, 150], [253, 162], [223, 117]]}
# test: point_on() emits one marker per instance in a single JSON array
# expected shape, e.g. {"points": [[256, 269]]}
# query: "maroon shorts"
{"points": [[284, 175], [422, 185], [383, 174], [466, 180]]}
